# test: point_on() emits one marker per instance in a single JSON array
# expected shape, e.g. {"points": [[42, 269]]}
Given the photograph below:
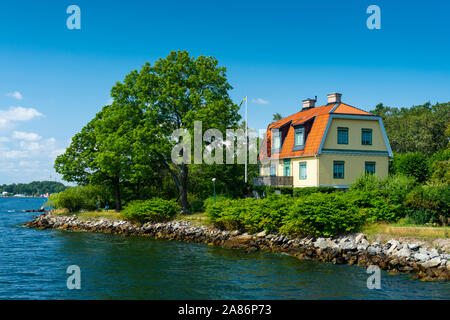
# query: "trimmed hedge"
{"points": [[153, 210]]}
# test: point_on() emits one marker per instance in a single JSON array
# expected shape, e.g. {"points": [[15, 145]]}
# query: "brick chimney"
{"points": [[308, 103], [334, 97]]}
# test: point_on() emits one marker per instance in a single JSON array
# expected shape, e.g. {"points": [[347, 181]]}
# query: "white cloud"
{"points": [[28, 136], [16, 94], [4, 139], [17, 114], [30, 164], [260, 101], [15, 154]]}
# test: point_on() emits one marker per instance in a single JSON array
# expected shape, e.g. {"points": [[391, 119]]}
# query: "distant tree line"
{"points": [[423, 128], [34, 188]]}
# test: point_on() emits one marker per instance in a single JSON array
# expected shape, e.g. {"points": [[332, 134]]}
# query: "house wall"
{"points": [[311, 172], [353, 167], [354, 135]]}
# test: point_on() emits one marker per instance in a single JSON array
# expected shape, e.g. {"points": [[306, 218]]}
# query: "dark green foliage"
{"points": [[210, 201], [441, 173], [375, 205], [414, 164], [195, 204], [76, 198], [417, 129], [153, 210], [295, 192], [265, 191], [382, 199], [299, 192], [440, 167], [277, 117], [250, 214], [322, 214], [429, 204], [35, 188]]}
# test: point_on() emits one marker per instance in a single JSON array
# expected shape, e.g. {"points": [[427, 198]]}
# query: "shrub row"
{"points": [[264, 191], [318, 214], [400, 196]]}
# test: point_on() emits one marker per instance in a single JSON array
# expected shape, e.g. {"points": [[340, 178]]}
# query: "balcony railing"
{"points": [[273, 181]]}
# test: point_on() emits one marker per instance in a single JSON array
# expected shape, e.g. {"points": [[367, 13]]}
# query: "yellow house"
{"points": [[330, 145]]}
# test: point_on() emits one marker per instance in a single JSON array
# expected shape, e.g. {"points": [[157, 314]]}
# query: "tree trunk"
{"points": [[117, 195], [183, 188]]}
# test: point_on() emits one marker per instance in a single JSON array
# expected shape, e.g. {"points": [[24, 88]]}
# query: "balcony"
{"points": [[273, 181]]}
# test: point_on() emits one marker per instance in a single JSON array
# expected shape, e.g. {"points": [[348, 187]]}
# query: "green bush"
{"points": [[375, 206], [265, 191], [153, 210], [316, 214], [195, 203], [414, 164], [322, 214], [382, 198], [299, 192], [75, 198], [250, 214], [429, 204], [210, 201]]}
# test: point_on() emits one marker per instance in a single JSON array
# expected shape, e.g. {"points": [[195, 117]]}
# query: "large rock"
{"points": [[404, 252], [394, 244], [373, 250], [432, 262], [262, 234], [420, 256], [363, 245], [359, 237], [322, 243], [414, 246], [238, 242], [349, 245]]}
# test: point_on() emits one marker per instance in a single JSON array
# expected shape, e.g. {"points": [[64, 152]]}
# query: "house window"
{"points": [[370, 167], [302, 170], [366, 137], [287, 167], [276, 141], [342, 135], [273, 169], [299, 137], [338, 169]]}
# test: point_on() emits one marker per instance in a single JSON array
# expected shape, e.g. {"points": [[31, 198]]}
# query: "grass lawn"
{"points": [[109, 214], [396, 230], [195, 219]]}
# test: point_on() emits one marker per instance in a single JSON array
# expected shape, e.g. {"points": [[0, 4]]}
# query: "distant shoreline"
{"points": [[23, 197]]}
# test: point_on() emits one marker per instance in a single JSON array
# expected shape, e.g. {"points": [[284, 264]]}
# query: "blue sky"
{"points": [[276, 52]]}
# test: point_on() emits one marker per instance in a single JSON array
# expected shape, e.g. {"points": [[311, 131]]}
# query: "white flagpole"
{"points": [[246, 140]]}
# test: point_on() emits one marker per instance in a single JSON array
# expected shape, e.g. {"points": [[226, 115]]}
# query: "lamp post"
{"points": [[214, 187]]}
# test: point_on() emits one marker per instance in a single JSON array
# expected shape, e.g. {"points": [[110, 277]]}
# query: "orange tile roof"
{"points": [[320, 115]]}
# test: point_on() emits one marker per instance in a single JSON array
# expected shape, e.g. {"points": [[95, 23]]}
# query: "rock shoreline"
{"points": [[393, 256]]}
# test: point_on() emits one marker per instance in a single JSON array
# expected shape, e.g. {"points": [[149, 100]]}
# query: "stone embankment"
{"points": [[428, 264]]}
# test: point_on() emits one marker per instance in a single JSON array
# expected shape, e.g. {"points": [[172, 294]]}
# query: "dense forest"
{"points": [[423, 128], [34, 188]]}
